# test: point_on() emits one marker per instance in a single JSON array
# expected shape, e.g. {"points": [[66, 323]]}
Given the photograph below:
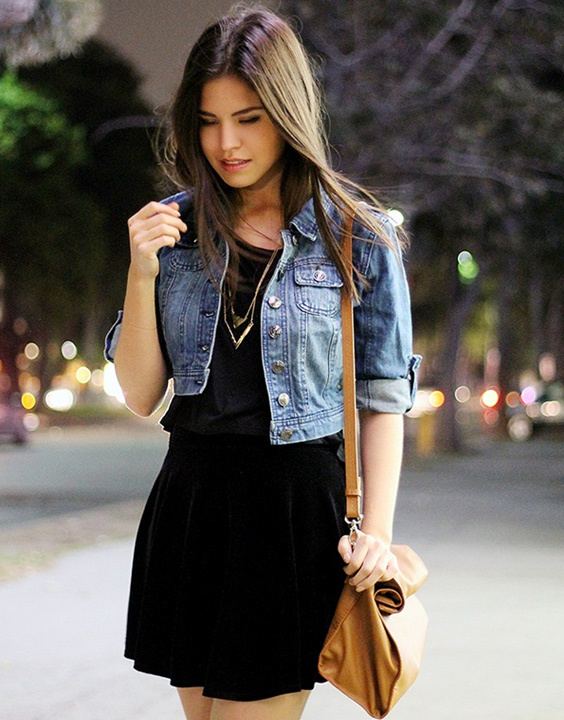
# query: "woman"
{"points": [[234, 292]]}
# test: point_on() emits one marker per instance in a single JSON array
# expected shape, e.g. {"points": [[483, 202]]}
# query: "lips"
{"points": [[234, 164]]}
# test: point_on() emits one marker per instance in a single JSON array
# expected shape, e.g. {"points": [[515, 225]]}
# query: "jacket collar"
{"points": [[304, 221]]}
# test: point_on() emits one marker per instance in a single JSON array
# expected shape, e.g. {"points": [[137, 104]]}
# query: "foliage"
{"points": [[67, 194], [96, 89]]}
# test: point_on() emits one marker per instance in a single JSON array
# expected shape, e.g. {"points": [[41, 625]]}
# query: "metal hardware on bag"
{"points": [[354, 525]]}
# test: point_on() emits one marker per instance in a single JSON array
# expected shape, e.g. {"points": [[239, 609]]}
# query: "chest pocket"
{"points": [[318, 285]]}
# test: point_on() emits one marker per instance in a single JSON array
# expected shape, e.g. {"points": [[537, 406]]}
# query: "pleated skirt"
{"points": [[236, 573]]}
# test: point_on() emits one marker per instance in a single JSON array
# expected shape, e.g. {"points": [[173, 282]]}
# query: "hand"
{"points": [[369, 562], [153, 227]]}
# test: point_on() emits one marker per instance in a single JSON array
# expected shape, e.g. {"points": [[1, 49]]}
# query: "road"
{"points": [[69, 469], [489, 524]]}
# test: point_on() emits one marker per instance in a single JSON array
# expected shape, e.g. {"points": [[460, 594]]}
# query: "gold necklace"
{"points": [[277, 242], [237, 320]]}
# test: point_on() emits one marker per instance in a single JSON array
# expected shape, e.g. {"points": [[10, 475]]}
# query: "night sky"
{"points": [[157, 36]]}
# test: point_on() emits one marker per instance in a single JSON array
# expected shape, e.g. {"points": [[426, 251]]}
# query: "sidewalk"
{"points": [[496, 643]]}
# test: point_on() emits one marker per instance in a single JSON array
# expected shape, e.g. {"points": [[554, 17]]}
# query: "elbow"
{"points": [[141, 405]]}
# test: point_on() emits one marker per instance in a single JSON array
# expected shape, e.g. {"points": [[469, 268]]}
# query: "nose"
{"points": [[229, 138]]}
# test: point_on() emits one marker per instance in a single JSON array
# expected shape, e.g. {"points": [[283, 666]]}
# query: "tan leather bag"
{"points": [[374, 646]]}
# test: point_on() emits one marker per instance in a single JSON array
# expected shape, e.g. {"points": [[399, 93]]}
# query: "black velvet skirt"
{"points": [[236, 573]]}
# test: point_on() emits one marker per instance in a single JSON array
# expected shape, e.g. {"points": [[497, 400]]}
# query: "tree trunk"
{"points": [[448, 438]]}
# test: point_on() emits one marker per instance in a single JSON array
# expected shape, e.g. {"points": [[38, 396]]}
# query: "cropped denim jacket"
{"points": [[300, 326]]}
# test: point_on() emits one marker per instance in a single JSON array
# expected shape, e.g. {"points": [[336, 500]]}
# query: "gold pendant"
{"points": [[246, 331], [237, 319]]}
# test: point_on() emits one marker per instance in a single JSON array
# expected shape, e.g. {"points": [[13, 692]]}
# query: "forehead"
{"points": [[227, 94]]}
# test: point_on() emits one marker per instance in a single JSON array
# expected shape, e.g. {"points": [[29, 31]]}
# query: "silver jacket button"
{"points": [[274, 331], [286, 434], [274, 302], [278, 367], [283, 399], [319, 276]]}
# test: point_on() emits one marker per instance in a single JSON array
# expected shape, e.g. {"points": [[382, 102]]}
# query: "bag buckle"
{"points": [[354, 527]]}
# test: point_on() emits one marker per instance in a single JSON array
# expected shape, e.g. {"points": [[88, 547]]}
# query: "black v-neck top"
{"points": [[235, 399]]}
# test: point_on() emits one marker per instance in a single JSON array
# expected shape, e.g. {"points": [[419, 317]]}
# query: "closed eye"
{"points": [[250, 120]]}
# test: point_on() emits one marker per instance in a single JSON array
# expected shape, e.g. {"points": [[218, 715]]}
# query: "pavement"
{"points": [[489, 524]]}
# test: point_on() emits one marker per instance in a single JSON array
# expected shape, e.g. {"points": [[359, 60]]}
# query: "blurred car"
{"points": [[12, 427], [545, 410]]}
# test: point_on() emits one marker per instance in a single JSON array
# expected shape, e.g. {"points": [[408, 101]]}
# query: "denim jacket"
{"points": [[300, 326]]}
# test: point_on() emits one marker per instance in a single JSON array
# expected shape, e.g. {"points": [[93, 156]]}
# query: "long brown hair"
{"points": [[257, 46]]}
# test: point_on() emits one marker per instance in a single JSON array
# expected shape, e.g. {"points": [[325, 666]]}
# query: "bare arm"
{"points": [[140, 366], [381, 449]]}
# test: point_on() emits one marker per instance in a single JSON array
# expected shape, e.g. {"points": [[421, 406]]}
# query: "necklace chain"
{"points": [[260, 233], [237, 320]]}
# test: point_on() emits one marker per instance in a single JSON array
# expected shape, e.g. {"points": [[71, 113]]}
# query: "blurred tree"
{"points": [[47, 276], [68, 191], [99, 91], [454, 109]]}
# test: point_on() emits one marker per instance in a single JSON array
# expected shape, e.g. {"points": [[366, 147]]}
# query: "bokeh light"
{"points": [[98, 378], [491, 417], [550, 409], [69, 350], [436, 399], [59, 399], [397, 217], [31, 422], [31, 351], [83, 375], [28, 401], [462, 394], [528, 395], [490, 398], [468, 268], [512, 399], [111, 384]]}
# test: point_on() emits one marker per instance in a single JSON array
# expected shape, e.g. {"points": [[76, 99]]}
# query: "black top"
{"points": [[235, 399]]}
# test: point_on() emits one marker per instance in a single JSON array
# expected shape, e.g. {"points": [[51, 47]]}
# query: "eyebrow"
{"points": [[239, 112]]}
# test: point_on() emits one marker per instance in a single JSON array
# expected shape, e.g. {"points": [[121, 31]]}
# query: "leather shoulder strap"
{"points": [[353, 492]]}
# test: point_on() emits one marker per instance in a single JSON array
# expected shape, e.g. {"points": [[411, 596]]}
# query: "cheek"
{"points": [[275, 144], [206, 143]]}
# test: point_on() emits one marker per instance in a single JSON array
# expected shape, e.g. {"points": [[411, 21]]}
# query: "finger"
{"points": [[373, 562], [344, 548], [384, 569], [391, 569], [357, 559], [155, 222], [163, 231], [153, 208]]}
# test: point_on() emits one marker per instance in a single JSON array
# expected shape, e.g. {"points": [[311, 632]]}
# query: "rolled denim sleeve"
{"points": [[385, 364], [112, 337]]}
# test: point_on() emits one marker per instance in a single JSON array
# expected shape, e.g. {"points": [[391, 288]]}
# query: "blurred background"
{"points": [[452, 111]]}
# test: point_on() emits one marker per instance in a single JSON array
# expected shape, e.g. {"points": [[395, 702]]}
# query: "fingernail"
{"points": [[359, 588], [347, 558]]}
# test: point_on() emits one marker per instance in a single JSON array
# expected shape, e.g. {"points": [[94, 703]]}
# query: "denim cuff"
{"points": [[389, 395], [384, 395], [111, 341]]}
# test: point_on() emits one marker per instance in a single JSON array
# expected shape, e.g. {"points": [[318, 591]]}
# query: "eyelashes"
{"points": [[204, 122]]}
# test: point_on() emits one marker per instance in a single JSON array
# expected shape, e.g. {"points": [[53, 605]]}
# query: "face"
{"points": [[238, 138]]}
